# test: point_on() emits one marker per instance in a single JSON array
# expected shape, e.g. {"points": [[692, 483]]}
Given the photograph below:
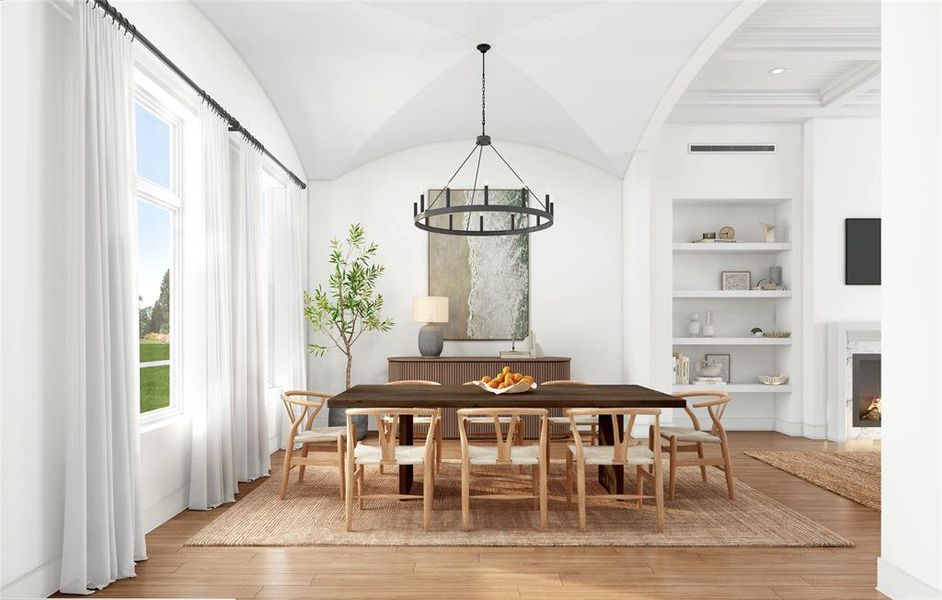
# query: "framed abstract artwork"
{"points": [[736, 280], [486, 279]]}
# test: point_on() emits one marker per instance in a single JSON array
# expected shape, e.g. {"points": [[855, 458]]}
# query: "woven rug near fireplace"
{"points": [[853, 474], [701, 515]]}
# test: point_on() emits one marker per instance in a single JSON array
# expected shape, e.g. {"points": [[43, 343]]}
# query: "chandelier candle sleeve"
{"points": [[519, 216]]}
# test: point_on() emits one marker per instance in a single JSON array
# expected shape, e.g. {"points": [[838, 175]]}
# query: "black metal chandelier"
{"points": [[530, 215]]}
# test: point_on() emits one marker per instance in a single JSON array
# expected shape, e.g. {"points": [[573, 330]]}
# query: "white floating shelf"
{"points": [[732, 294], [731, 247], [732, 341], [738, 388]]}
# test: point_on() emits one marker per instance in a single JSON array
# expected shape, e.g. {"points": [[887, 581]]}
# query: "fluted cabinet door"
{"points": [[457, 370]]}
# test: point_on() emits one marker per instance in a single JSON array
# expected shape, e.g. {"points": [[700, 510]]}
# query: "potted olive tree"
{"points": [[348, 307]]}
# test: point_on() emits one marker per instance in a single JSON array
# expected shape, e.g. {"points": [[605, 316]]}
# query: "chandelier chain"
{"points": [[483, 95]]}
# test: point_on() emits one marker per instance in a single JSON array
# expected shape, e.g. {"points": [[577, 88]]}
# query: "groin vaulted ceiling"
{"points": [[356, 81]]}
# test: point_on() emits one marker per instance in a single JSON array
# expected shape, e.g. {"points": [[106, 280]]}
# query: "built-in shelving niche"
{"points": [[697, 288]]}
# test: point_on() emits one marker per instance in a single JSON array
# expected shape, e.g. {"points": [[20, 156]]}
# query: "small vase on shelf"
{"points": [[693, 329], [768, 232], [708, 329]]}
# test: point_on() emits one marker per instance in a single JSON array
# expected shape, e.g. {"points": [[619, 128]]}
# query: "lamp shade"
{"points": [[430, 309]]}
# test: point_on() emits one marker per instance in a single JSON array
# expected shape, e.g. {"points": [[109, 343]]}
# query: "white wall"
{"points": [[575, 266], [676, 174], [34, 47], [36, 38], [842, 180], [910, 563], [638, 339]]}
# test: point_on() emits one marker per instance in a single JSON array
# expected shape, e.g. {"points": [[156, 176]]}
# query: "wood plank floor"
{"points": [[538, 573]]}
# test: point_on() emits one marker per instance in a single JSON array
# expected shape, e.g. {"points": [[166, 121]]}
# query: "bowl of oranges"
{"points": [[506, 382]]}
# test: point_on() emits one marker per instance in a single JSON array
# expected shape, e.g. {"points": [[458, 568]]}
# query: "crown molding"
{"points": [[766, 98], [851, 84], [767, 114], [834, 38], [808, 37]]}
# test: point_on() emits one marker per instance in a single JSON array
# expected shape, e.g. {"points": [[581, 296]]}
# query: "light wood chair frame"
{"points": [[715, 408], [621, 442], [308, 411], [439, 439], [513, 418], [594, 428], [388, 430]]}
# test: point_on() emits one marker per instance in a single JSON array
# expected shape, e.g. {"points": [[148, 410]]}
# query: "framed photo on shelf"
{"points": [[736, 280], [723, 359]]}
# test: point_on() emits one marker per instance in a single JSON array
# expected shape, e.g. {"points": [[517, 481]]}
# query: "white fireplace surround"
{"points": [[839, 337]]}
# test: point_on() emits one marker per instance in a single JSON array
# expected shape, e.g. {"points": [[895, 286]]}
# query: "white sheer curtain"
{"points": [[103, 532], [288, 230], [250, 433], [207, 334]]}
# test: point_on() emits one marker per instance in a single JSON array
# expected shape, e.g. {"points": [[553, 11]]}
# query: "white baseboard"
{"points": [[788, 427], [166, 508], [41, 582], [900, 585], [756, 424], [732, 423], [808, 430]]}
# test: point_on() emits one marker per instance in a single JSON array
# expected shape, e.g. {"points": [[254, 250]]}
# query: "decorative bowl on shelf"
{"points": [[773, 379], [709, 369], [517, 388]]}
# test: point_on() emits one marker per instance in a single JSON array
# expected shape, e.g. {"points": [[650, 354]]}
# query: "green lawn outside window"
{"points": [[155, 381]]}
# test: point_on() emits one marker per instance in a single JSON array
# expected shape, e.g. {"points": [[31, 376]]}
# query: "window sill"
{"points": [[164, 418]]}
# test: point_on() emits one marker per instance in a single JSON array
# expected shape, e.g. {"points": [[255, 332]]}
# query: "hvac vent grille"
{"points": [[730, 148]]}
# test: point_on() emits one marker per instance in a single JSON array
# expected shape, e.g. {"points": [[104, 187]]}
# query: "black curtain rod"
{"points": [[234, 124]]}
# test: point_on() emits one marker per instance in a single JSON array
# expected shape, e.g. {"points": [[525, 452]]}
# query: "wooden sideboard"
{"points": [[456, 370]]}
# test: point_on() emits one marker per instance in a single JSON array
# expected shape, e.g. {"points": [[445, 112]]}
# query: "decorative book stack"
{"points": [[681, 369]]}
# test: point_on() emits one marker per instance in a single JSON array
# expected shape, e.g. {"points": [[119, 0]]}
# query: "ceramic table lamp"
{"points": [[430, 310]]}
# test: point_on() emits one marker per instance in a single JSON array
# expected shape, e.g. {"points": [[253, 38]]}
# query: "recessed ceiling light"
{"points": [[776, 70]]}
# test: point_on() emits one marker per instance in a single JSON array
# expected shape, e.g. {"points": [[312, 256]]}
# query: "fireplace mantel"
{"points": [[839, 334]]}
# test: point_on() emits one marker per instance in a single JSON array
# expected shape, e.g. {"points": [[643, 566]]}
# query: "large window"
{"points": [[158, 133], [273, 201]]}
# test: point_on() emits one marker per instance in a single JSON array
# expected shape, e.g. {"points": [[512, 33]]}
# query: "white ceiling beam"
{"points": [[808, 37], [819, 43], [792, 35], [850, 84], [765, 114], [778, 54], [741, 98], [772, 98]]}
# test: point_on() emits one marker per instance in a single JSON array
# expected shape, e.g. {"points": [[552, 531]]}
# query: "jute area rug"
{"points": [[854, 474], [701, 515]]}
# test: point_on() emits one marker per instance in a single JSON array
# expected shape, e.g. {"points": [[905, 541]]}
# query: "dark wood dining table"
{"points": [[470, 396]]}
